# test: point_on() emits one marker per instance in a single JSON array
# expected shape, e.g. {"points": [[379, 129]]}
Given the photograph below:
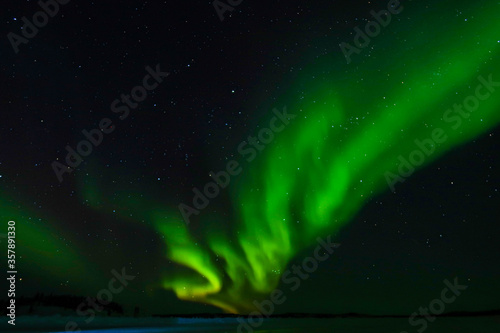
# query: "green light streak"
{"points": [[40, 249], [318, 172]]}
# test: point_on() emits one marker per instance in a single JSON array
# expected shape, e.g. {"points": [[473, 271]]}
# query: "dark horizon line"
{"points": [[329, 315], [482, 313]]}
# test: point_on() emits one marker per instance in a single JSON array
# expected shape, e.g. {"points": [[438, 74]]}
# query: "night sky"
{"points": [[339, 126]]}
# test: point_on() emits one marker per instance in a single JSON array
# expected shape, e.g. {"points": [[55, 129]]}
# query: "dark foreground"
{"points": [[341, 325]]}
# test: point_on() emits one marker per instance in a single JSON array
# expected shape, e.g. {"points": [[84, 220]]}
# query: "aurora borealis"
{"points": [[301, 178], [432, 73]]}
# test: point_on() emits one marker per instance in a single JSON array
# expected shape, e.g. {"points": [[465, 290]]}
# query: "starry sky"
{"points": [[324, 174]]}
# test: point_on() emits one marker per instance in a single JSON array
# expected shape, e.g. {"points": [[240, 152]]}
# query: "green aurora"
{"points": [[39, 248], [317, 173], [350, 129]]}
